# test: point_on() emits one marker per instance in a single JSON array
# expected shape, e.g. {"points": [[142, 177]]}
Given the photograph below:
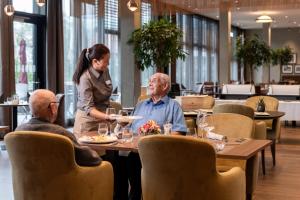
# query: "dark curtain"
{"points": [[55, 51], [7, 65]]}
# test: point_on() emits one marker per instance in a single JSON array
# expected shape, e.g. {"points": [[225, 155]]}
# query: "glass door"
{"points": [[29, 51]]}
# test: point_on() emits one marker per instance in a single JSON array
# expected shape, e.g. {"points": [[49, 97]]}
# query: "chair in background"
{"points": [[208, 88], [43, 167], [235, 126], [117, 106], [189, 173], [271, 104], [259, 131], [60, 98], [196, 102]]}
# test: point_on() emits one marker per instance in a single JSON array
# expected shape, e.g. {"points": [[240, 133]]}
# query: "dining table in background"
{"points": [[14, 112]]}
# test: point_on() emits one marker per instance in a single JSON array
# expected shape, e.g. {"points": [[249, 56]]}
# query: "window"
{"points": [[111, 40], [29, 6], [85, 24], [200, 41], [145, 18]]}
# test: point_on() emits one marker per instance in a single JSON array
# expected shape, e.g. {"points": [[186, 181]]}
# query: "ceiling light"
{"points": [[9, 10], [132, 5], [264, 19], [40, 3]]}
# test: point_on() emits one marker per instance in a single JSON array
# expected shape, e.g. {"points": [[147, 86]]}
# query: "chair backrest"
{"points": [[60, 98], [178, 167], [271, 103], [234, 108], [44, 167], [231, 125], [197, 102]]}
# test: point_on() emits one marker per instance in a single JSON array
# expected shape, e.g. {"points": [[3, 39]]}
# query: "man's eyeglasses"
{"points": [[52, 102]]}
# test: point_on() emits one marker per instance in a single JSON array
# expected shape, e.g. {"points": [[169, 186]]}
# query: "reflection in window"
{"points": [[200, 41]]}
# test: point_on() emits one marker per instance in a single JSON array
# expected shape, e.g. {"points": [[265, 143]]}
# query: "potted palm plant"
{"points": [[253, 53], [157, 43]]}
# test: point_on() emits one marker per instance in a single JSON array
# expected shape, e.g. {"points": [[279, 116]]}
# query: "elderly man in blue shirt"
{"points": [[160, 108]]}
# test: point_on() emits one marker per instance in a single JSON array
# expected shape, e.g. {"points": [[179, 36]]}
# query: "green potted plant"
{"points": [[261, 106], [253, 53], [282, 56], [157, 43]]}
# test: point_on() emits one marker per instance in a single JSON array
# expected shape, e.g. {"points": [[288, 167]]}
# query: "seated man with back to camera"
{"points": [[161, 109], [43, 106]]}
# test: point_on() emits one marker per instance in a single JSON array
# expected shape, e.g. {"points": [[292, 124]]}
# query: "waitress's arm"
{"points": [[98, 114]]}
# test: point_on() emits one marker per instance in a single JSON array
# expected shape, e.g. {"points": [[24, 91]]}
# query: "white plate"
{"points": [[261, 113], [98, 139], [127, 119]]}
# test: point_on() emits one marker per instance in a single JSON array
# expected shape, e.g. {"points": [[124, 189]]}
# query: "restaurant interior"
{"points": [[233, 68]]}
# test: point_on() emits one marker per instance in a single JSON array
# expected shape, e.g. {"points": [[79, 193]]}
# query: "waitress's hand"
{"points": [[110, 118]]}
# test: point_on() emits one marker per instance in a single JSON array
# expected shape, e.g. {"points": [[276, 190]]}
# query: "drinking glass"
{"points": [[167, 128], [127, 134], [201, 123], [111, 111], [103, 129]]}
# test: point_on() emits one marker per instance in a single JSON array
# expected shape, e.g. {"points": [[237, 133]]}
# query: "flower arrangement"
{"points": [[149, 128]]}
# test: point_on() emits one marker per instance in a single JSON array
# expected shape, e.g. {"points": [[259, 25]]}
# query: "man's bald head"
{"points": [[40, 104]]}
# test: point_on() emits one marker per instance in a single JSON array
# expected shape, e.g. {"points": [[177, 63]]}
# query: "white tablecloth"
{"points": [[291, 108]]}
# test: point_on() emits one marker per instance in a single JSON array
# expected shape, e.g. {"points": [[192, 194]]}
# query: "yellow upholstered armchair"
{"points": [[189, 173], [43, 167], [259, 131], [271, 104], [235, 126]]}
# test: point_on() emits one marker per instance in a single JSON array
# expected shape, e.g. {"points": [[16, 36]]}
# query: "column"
{"points": [[266, 74], [225, 42], [130, 75]]}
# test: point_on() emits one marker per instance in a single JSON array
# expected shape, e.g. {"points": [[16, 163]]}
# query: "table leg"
{"points": [[14, 118], [251, 175]]}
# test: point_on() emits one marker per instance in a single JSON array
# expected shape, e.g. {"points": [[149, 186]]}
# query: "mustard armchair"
{"points": [[189, 173], [43, 167], [259, 130], [271, 105]]}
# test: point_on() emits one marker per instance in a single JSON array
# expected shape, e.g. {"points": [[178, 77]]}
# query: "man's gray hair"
{"points": [[39, 101], [164, 79]]}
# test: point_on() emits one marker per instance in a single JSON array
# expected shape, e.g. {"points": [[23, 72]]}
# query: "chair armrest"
{"points": [[232, 184], [260, 130]]}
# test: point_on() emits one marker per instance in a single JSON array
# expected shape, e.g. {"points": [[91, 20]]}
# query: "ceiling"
{"points": [[285, 13]]}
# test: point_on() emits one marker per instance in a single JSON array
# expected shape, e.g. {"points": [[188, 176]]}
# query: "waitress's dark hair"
{"points": [[85, 59]]}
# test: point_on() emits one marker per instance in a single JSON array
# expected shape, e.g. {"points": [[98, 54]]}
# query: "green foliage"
{"points": [[253, 52], [156, 44], [282, 56], [261, 101]]}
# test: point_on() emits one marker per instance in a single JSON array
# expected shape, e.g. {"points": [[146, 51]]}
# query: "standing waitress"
{"points": [[94, 87]]}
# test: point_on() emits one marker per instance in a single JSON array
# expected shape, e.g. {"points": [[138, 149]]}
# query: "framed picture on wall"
{"points": [[294, 59], [287, 69], [297, 69]]}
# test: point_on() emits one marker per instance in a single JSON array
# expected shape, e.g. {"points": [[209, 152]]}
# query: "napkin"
{"points": [[215, 136]]}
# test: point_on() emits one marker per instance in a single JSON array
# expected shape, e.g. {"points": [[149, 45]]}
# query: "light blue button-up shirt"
{"points": [[166, 110]]}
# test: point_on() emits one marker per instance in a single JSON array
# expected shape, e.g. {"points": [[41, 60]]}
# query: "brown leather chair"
{"points": [[44, 167], [260, 129], [189, 173]]}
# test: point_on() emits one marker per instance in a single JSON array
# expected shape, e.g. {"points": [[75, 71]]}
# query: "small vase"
{"points": [[261, 107]]}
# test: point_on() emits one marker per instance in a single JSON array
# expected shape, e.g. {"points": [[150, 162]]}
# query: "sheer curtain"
{"points": [[7, 65], [200, 41], [87, 22]]}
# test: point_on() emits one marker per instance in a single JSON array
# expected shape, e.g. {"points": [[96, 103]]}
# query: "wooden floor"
{"points": [[281, 182]]}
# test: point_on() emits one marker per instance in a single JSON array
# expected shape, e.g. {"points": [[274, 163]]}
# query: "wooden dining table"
{"points": [[237, 152]]}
